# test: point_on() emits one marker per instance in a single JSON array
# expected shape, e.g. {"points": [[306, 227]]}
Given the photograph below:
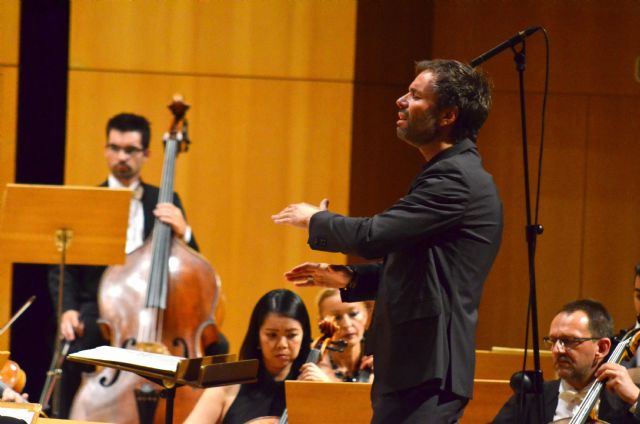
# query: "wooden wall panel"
{"points": [[9, 34], [391, 35], [300, 39], [270, 88], [594, 44], [8, 110], [588, 248], [9, 31], [559, 255], [612, 224]]}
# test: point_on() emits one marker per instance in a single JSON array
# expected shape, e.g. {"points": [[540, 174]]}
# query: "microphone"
{"points": [[518, 38]]}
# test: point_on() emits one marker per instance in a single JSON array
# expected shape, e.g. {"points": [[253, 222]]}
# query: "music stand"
{"points": [[48, 224], [315, 402], [4, 355], [204, 372]]}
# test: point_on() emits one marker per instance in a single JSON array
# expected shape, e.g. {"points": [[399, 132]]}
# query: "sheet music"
{"points": [[28, 412], [118, 355], [21, 414]]}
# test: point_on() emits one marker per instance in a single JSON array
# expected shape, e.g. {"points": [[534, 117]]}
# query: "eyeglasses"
{"points": [[130, 150], [566, 342]]}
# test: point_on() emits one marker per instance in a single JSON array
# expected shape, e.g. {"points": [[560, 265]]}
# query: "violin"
{"points": [[12, 376]]}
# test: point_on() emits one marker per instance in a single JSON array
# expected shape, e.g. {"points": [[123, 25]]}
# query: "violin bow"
{"points": [[17, 314]]}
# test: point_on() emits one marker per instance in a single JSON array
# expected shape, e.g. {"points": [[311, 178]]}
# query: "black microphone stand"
{"points": [[528, 381], [532, 231]]}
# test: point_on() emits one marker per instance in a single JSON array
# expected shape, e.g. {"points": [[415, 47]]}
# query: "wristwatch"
{"points": [[354, 276]]}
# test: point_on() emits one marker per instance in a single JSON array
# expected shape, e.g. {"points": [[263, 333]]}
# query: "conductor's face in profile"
{"points": [[418, 118], [125, 155]]}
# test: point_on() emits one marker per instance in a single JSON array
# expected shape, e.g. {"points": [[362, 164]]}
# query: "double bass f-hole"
{"points": [[104, 381], [182, 343]]}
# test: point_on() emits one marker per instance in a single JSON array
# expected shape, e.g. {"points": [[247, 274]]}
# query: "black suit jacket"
{"points": [[438, 243], [81, 281], [612, 408]]}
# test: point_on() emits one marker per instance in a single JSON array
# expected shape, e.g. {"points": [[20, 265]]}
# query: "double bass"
{"points": [[162, 300]]}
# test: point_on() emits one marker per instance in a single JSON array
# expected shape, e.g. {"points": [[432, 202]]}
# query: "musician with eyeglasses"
{"points": [[580, 340], [633, 363], [126, 151]]}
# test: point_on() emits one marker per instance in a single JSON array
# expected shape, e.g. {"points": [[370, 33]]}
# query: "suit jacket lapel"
{"points": [[551, 399]]}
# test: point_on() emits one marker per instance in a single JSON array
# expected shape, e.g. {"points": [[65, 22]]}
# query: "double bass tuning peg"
{"points": [[179, 125]]}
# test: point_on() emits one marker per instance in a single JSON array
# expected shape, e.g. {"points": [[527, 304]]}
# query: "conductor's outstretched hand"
{"points": [[299, 214], [312, 274]]}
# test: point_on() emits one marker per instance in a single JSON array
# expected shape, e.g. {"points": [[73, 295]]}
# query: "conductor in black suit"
{"points": [[438, 243], [126, 152]]}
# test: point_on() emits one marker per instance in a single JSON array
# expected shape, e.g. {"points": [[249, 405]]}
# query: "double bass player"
{"points": [[126, 151]]}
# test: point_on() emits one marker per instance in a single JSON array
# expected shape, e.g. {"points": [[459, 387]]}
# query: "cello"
{"points": [[162, 300], [624, 350]]}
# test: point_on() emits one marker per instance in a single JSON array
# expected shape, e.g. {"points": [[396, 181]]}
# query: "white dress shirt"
{"points": [[569, 400], [135, 229]]}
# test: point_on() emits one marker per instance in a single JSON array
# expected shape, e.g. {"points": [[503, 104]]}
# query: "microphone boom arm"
{"points": [[518, 38]]}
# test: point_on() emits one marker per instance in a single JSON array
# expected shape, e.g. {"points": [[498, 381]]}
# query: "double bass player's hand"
{"points": [[617, 380], [71, 325], [171, 215]]}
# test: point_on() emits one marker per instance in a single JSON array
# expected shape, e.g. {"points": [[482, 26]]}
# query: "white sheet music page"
{"points": [[118, 355], [28, 412]]}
